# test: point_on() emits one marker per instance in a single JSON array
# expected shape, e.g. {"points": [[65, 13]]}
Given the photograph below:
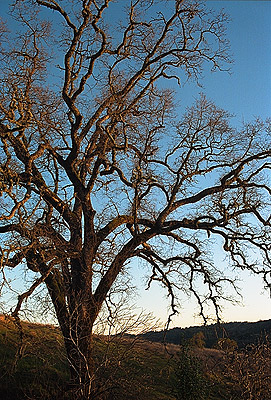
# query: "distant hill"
{"points": [[244, 333]]}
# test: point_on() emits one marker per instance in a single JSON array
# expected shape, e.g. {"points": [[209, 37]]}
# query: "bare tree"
{"points": [[97, 168]]}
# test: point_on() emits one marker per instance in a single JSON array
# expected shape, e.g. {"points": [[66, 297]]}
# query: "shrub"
{"points": [[191, 382]]}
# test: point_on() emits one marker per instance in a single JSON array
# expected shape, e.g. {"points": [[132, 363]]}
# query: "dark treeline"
{"points": [[244, 333]]}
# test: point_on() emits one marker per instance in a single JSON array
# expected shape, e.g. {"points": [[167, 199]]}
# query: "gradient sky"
{"points": [[246, 92]]}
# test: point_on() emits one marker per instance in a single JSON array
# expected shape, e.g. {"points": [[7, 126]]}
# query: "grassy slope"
{"points": [[133, 370], [142, 371], [37, 367]]}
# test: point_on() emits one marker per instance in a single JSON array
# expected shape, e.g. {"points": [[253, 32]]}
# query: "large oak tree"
{"points": [[98, 167]]}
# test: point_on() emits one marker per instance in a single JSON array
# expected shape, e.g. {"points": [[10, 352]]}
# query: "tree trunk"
{"points": [[79, 348]]}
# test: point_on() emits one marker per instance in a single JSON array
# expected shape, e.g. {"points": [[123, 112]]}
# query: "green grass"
{"points": [[36, 368]]}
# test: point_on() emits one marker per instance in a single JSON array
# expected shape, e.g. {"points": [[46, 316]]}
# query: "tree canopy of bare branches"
{"points": [[98, 167]]}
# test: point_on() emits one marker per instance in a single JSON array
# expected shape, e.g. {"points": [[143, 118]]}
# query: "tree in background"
{"points": [[198, 340], [98, 168]]}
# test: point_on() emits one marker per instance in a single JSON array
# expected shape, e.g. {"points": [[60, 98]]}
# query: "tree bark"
{"points": [[80, 348], [76, 321]]}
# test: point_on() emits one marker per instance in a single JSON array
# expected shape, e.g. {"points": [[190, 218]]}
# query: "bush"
{"points": [[198, 340], [226, 344], [191, 382]]}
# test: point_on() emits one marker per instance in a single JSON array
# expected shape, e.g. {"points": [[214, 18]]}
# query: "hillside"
{"points": [[33, 367], [243, 333], [36, 368]]}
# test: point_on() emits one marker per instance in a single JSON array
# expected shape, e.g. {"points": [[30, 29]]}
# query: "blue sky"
{"points": [[246, 92]]}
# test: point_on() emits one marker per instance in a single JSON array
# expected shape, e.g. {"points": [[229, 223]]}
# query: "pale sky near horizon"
{"points": [[246, 93]]}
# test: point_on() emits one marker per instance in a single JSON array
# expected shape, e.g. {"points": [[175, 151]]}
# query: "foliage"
{"points": [[191, 380], [198, 340]]}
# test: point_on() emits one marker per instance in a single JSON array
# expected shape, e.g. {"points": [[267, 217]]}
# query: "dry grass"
{"points": [[143, 369]]}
